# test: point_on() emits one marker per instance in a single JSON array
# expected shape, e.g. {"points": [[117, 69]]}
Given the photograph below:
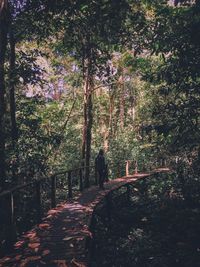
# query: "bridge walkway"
{"points": [[61, 239]]}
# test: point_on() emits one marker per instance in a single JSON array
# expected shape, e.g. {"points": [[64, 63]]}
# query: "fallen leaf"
{"points": [[45, 252], [18, 257], [60, 263], [44, 226], [88, 233], [68, 238], [151, 258], [19, 244], [78, 264], [33, 245], [43, 262], [30, 235], [7, 259], [29, 259], [135, 189], [51, 212], [144, 219]]}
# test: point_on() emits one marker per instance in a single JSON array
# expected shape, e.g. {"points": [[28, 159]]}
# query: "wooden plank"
{"points": [[63, 233], [53, 191], [38, 201], [69, 179], [81, 180]]}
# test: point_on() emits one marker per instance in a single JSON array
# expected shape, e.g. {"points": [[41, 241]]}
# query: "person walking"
{"points": [[100, 165]]}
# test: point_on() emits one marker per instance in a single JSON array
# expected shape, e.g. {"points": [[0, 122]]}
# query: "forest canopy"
{"points": [[76, 76]]}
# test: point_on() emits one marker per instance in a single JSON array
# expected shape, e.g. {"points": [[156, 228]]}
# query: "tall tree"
{"points": [[175, 79], [12, 72], [3, 46], [91, 34]]}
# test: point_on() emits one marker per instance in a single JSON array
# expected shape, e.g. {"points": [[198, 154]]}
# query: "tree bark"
{"points": [[122, 102], [133, 109], [3, 45], [14, 130], [109, 132], [84, 122], [88, 122], [88, 138], [111, 108]]}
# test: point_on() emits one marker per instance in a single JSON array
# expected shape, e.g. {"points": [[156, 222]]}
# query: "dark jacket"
{"points": [[100, 163]]}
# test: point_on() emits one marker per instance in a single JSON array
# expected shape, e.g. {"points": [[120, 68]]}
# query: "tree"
{"points": [[3, 44], [12, 73], [90, 33]]}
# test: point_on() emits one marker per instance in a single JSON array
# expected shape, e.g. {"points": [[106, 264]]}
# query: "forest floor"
{"points": [[151, 226], [153, 229], [61, 238]]}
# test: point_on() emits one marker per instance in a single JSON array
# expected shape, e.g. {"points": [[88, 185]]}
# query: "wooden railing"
{"points": [[15, 217], [42, 195], [106, 209]]}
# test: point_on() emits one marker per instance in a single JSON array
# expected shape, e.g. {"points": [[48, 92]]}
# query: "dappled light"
{"points": [[65, 230], [99, 133]]}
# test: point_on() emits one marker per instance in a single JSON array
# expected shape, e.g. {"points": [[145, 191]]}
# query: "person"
{"points": [[100, 165]]}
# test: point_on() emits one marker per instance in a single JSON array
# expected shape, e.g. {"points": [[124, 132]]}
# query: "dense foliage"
{"points": [[136, 62], [156, 227], [77, 76]]}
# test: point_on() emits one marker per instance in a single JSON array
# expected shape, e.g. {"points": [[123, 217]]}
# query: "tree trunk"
{"points": [[88, 138], [133, 109], [3, 44], [84, 126], [111, 108], [109, 132], [88, 122], [14, 131], [121, 101]]}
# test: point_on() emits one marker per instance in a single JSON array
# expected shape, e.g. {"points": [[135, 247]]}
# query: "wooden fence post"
{"points": [[87, 177], [143, 167], [107, 173], [165, 163], [96, 175], [80, 180], [127, 167], [108, 206], [10, 221], [53, 191], [118, 169], [69, 178], [136, 167], [156, 163], [38, 201], [128, 193], [161, 162]]}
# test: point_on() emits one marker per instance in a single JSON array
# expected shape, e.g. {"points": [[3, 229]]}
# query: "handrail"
{"points": [[19, 187], [10, 203], [12, 190]]}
